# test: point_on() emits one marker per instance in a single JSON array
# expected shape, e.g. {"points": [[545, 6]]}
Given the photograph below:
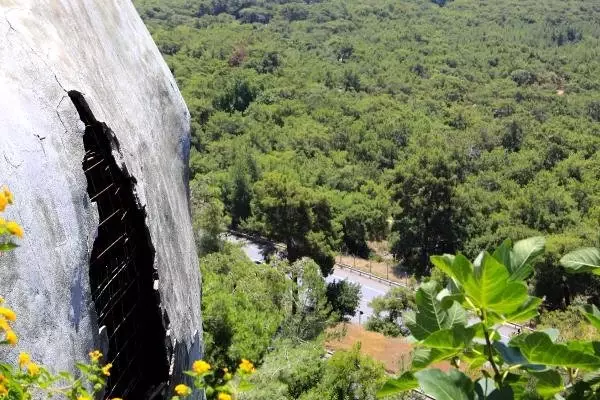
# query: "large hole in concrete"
{"points": [[121, 271]]}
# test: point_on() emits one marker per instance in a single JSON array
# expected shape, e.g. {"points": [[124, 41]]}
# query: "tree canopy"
{"points": [[441, 126], [460, 122]]}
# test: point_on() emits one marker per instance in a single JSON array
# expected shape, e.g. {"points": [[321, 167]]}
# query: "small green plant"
{"points": [[29, 379], [217, 384], [460, 325]]}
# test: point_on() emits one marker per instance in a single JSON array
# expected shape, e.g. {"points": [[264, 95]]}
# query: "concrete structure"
{"points": [[108, 260]]}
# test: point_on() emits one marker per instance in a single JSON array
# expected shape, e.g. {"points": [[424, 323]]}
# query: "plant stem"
{"points": [[513, 367], [488, 343], [490, 354], [572, 374]]}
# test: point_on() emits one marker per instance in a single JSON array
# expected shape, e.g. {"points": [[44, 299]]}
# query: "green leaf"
{"points": [[244, 386], [521, 255], [552, 333], [517, 258], [513, 356], [592, 313], [510, 355], [448, 298], [474, 360], [430, 316], [478, 327], [513, 297], [585, 346], [478, 259], [8, 246], [424, 357], [452, 386], [582, 260], [549, 382], [403, 383], [526, 311], [442, 345], [458, 267], [490, 290], [538, 348], [457, 338], [488, 285], [502, 252]]}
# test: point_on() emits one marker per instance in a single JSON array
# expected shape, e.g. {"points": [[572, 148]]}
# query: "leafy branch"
{"points": [[493, 287]]}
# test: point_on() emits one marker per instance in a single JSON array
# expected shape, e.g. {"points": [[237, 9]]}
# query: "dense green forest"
{"points": [[461, 125], [439, 126]]}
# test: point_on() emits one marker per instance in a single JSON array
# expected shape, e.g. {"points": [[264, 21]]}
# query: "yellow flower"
{"points": [[3, 390], [84, 398], [14, 228], [4, 324], [95, 355], [8, 313], [11, 337], [247, 366], [200, 366], [224, 396], [106, 369], [183, 390], [116, 398], [33, 369], [3, 201], [24, 359], [7, 194]]}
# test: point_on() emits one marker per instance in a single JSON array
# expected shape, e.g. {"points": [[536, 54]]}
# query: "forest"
{"points": [[437, 127]]}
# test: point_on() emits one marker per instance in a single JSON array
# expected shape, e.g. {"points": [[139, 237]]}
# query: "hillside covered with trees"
{"points": [[437, 126], [462, 125]]}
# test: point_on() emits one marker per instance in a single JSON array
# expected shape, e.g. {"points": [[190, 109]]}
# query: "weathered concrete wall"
{"points": [[102, 49]]}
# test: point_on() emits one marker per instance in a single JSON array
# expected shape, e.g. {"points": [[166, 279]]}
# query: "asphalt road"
{"points": [[254, 251], [369, 290]]}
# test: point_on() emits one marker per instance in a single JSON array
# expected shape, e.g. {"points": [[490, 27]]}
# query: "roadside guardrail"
{"points": [[369, 275], [392, 283]]}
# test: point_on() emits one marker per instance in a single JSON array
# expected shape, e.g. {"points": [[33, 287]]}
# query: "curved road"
{"points": [[370, 288], [254, 251]]}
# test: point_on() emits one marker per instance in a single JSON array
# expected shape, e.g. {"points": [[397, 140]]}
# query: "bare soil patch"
{"points": [[394, 353]]}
